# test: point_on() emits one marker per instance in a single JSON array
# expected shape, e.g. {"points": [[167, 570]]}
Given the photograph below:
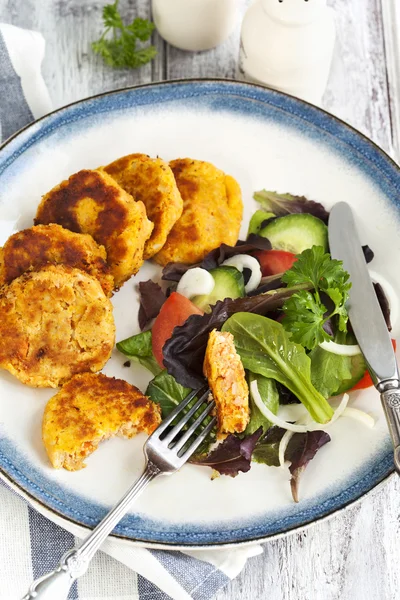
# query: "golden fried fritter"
{"points": [[212, 212], [91, 408], [226, 378], [32, 249], [92, 202], [151, 181], [54, 323]]}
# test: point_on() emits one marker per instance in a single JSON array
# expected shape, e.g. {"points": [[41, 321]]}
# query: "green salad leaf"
{"points": [[286, 204], [266, 348], [333, 374], [138, 348], [167, 392], [270, 397], [305, 313]]}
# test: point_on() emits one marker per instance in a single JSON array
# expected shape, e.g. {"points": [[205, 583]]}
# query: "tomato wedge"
{"points": [[175, 310], [273, 262], [366, 381]]}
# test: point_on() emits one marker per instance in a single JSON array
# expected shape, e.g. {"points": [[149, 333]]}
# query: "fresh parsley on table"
{"points": [[121, 50]]}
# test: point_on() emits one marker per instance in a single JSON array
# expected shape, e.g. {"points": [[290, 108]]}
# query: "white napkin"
{"points": [[182, 575]]}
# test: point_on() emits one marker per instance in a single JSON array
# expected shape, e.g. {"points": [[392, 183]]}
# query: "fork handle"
{"points": [[75, 562]]}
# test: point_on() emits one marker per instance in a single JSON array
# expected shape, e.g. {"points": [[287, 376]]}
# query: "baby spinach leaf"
{"points": [[265, 348], [270, 397], [332, 374], [168, 393], [232, 455], [301, 449], [138, 348]]}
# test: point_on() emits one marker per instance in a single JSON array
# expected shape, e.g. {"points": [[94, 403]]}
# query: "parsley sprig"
{"points": [[121, 49], [305, 313]]}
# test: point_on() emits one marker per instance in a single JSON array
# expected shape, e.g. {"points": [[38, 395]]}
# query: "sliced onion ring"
{"points": [[287, 436], [244, 261], [341, 349], [294, 427], [196, 282], [359, 415]]}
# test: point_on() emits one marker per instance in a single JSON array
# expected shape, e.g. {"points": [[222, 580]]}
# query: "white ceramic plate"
{"points": [[263, 139]]}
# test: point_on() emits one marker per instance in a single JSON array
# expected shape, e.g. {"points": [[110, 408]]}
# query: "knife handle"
{"points": [[391, 405]]}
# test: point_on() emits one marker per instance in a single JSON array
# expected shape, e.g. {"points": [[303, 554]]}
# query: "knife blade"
{"points": [[366, 317]]}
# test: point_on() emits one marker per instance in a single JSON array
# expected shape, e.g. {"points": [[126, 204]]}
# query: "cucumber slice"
{"points": [[295, 233], [257, 220], [229, 283]]}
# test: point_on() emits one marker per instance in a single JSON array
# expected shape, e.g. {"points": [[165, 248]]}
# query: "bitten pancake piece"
{"points": [[54, 323], [32, 249], [212, 212], [151, 181], [92, 202], [89, 409], [226, 378]]}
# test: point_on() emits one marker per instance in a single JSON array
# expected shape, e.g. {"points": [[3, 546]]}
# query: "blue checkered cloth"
{"points": [[31, 544]]}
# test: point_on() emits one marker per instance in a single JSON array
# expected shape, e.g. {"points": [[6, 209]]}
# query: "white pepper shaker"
{"points": [[195, 24], [288, 45]]}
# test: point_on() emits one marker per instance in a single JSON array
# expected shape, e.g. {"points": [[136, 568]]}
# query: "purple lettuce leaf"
{"points": [[301, 449], [368, 253], [184, 351], [285, 395], [151, 300], [217, 256], [384, 304], [232, 455], [174, 271], [285, 204]]}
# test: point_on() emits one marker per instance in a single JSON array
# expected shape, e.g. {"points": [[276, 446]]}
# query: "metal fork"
{"points": [[165, 452]]}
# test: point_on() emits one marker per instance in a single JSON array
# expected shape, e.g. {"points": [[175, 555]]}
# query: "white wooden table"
{"points": [[354, 555]]}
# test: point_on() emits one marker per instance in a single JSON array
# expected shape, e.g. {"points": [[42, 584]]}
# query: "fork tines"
{"points": [[175, 439]]}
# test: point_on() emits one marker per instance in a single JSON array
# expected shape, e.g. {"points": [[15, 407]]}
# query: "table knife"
{"points": [[366, 318]]}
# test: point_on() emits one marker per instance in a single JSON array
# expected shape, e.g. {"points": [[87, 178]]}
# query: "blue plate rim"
{"points": [[324, 114]]}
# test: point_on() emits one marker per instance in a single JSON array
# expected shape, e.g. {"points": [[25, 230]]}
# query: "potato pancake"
{"points": [[212, 212], [151, 181], [55, 323], [92, 202], [34, 248], [89, 409]]}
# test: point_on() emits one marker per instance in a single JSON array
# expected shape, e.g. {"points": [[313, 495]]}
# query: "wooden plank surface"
{"points": [[355, 555]]}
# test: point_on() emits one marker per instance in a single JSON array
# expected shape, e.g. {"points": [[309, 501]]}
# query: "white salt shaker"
{"points": [[288, 45], [195, 24]]}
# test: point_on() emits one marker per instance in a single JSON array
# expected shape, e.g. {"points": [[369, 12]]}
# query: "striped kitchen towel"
{"points": [[31, 544]]}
